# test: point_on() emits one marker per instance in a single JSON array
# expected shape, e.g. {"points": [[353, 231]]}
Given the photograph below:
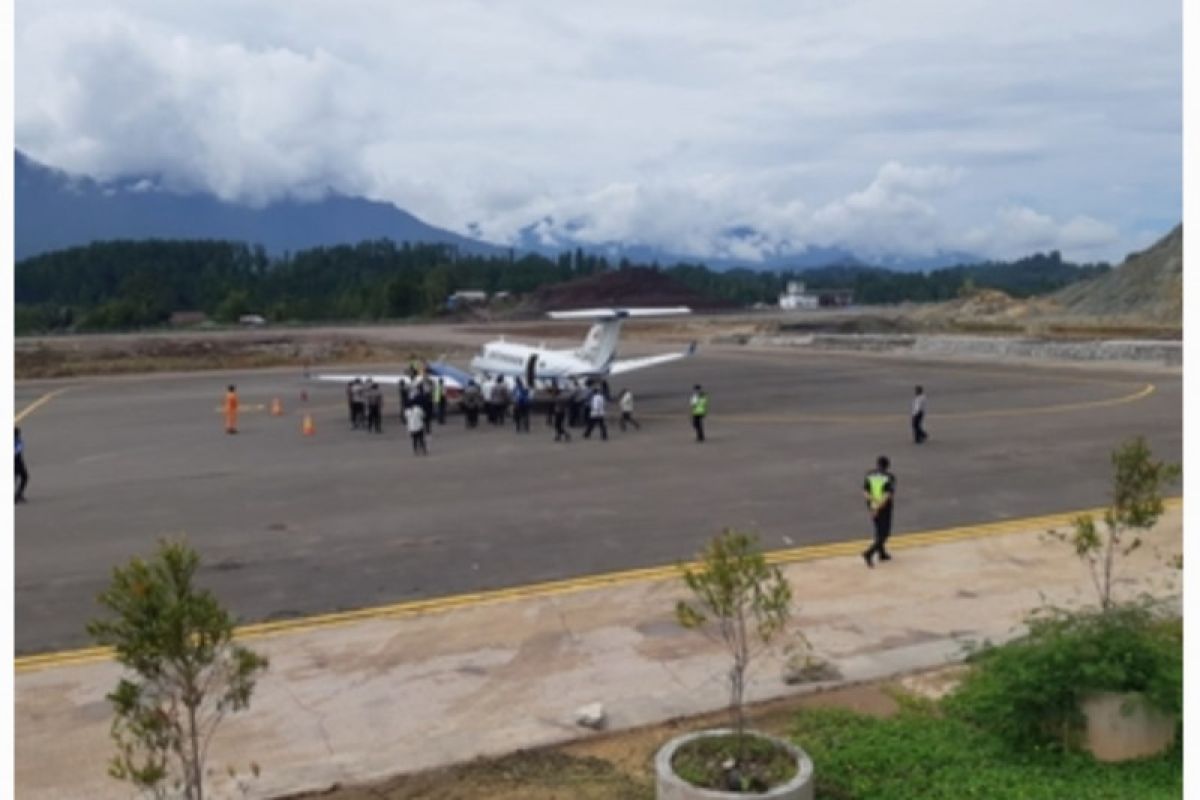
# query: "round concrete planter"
{"points": [[670, 786], [1124, 726]]}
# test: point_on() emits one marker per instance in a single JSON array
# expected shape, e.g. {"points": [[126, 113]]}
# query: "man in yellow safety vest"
{"points": [[699, 405], [879, 488]]}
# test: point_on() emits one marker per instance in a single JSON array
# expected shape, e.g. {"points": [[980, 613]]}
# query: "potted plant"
{"points": [[743, 603], [1122, 716], [1122, 667]]}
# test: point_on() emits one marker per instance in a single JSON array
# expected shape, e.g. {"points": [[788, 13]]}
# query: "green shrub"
{"points": [[922, 755], [1027, 691]]}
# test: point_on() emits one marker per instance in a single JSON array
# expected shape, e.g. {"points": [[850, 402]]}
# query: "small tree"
{"points": [[1136, 505], [746, 599], [178, 641]]}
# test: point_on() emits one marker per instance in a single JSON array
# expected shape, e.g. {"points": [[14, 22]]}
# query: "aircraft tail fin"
{"points": [[600, 346]]}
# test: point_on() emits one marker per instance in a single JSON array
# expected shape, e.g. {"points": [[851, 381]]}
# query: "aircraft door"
{"points": [[530, 369]]}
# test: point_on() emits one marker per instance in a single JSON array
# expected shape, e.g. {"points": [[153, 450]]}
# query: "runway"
{"points": [[291, 526]]}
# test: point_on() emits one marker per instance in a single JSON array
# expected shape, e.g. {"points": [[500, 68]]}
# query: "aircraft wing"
{"points": [[618, 313], [622, 366], [450, 382], [383, 380]]}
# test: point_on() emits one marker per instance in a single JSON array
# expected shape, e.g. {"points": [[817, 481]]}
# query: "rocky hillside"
{"points": [[1148, 285]]}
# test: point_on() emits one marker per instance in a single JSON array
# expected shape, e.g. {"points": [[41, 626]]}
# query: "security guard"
{"points": [[699, 405], [879, 489]]}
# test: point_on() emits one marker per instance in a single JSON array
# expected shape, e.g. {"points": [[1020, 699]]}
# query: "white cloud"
{"points": [[895, 127]]}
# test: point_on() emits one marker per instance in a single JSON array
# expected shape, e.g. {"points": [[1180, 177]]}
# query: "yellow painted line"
{"points": [[935, 365], [36, 404], [1059, 408], [262, 630]]}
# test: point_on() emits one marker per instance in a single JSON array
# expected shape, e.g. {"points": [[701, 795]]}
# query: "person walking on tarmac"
{"points": [[579, 401], [374, 408], [350, 400], [404, 398], [879, 489], [231, 409], [472, 401], [522, 406], [439, 400], [918, 416], [414, 420], [21, 475], [626, 404], [358, 392], [596, 415], [699, 405], [553, 393], [424, 401], [501, 396], [560, 403]]}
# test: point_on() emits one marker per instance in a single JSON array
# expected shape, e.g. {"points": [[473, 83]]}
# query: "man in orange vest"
{"points": [[231, 410]]}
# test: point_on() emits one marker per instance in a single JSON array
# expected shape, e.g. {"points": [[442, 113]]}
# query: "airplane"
{"points": [[540, 367]]}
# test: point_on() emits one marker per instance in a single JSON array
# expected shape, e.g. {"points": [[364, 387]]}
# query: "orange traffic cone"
{"points": [[308, 428], [276, 408]]}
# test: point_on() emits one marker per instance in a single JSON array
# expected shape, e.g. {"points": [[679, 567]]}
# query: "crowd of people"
{"points": [[499, 400]]}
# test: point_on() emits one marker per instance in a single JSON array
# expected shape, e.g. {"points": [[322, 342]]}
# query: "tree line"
{"points": [[122, 285]]}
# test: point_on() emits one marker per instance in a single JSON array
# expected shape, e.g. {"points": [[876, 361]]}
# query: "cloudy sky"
{"points": [[994, 127]]}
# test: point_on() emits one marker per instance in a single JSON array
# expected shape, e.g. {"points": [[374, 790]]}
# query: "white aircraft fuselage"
{"points": [[539, 367]]}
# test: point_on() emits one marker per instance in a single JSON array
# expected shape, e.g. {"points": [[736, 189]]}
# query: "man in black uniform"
{"points": [[374, 408], [879, 488], [559, 404], [21, 474]]}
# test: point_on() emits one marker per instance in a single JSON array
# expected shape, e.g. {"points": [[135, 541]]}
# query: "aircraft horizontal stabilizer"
{"points": [[618, 313], [622, 366]]}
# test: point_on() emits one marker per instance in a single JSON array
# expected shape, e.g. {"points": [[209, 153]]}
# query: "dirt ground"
{"points": [[186, 350], [616, 766], [394, 344]]}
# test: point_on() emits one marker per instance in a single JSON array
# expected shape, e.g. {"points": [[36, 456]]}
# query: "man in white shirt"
{"points": [[918, 416], [414, 420], [596, 415], [626, 403]]}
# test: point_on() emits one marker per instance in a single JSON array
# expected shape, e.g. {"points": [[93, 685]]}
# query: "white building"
{"points": [[466, 297], [795, 298]]}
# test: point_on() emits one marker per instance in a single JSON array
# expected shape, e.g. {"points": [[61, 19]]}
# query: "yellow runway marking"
{"points": [[1059, 408], [36, 404], [971, 367], [412, 608]]}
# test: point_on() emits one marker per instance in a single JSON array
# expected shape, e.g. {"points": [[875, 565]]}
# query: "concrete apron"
{"points": [[369, 699]]}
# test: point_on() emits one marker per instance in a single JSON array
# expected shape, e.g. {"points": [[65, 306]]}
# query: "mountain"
{"points": [[550, 237], [54, 210], [1147, 284]]}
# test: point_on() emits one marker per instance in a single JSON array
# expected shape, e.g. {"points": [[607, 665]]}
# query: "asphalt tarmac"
{"points": [[290, 525]]}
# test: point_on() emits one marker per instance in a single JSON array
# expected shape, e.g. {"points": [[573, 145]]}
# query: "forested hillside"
{"points": [[129, 284]]}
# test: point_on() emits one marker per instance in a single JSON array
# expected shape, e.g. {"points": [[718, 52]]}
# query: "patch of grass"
{"points": [[525, 775], [763, 765], [921, 755]]}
